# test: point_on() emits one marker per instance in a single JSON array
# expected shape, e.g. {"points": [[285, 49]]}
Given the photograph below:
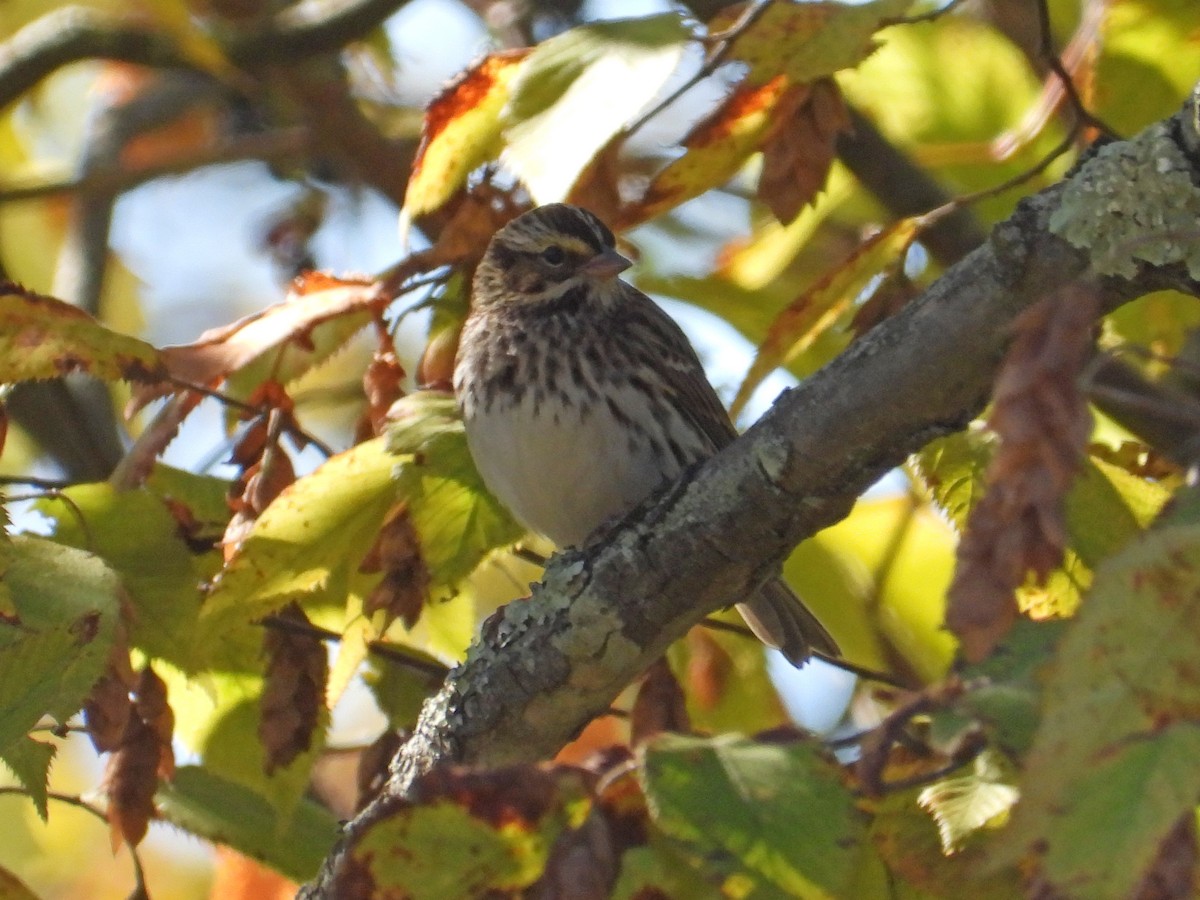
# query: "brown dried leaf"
{"points": [[797, 155], [659, 706], [1042, 420], [130, 781], [108, 708], [151, 706], [383, 385], [144, 756], [397, 553], [293, 697]]}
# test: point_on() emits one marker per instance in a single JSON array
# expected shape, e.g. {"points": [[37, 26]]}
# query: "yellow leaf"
{"points": [[806, 41], [716, 148], [41, 337], [461, 131]]}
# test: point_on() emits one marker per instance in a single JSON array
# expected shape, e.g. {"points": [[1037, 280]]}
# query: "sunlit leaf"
{"points": [[282, 342], [41, 337], [717, 147], [908, 841], [578, 89], [1150, 43], [806, 41], [954, 469], [462, 131], [136, 534], [963, 804], [472, 832], [68, 604]]}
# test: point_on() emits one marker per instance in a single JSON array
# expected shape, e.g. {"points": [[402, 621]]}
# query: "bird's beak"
{"points": [[606, 265]]}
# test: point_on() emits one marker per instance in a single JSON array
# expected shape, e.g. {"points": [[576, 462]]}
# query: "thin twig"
{"points": [[385, 649], [835, 661], [271, 146], [1054, 62], [46, 484], [139, 874], [723, 42]]}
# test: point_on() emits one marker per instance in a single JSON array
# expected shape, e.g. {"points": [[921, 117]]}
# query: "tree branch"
{"points": [[543, 668], [73, 33]]}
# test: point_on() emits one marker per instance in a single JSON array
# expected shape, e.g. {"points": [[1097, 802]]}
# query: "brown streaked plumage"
{"points": [[581, 397]]}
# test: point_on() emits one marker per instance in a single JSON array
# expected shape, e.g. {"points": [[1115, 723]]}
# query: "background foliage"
{"points": [[223, 547]]}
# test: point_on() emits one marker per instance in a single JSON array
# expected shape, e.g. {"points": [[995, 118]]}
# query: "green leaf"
{"points": [[1107, 508], [1151, 44], [1106, 777], [660, 870], [68, 603], [478, 831], [1006, 693], [954, 468], [30, 761], [776, 813], [727, 688], [135, 533], [441, 851], [948, 117], [308, 542], [458, 520], [211, 807], [576, 90], [41, 337], [400, 690]]}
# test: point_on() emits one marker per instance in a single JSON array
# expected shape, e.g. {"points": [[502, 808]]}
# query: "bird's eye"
{"points": [[554, 256]]}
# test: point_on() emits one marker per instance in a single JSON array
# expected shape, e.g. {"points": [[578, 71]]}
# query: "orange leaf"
{"points": [[461, 131], [716, 148]]}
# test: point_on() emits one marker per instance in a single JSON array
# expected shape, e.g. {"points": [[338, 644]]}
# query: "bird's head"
{"points": [[548, 254]]}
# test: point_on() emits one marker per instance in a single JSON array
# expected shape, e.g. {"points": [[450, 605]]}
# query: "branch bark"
{"points": [[543, 668]]}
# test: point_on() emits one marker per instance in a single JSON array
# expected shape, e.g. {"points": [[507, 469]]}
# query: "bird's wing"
{"points": [[694, 395]]}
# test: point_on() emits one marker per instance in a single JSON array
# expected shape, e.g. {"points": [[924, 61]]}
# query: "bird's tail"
{"points": [[779, 619]]}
